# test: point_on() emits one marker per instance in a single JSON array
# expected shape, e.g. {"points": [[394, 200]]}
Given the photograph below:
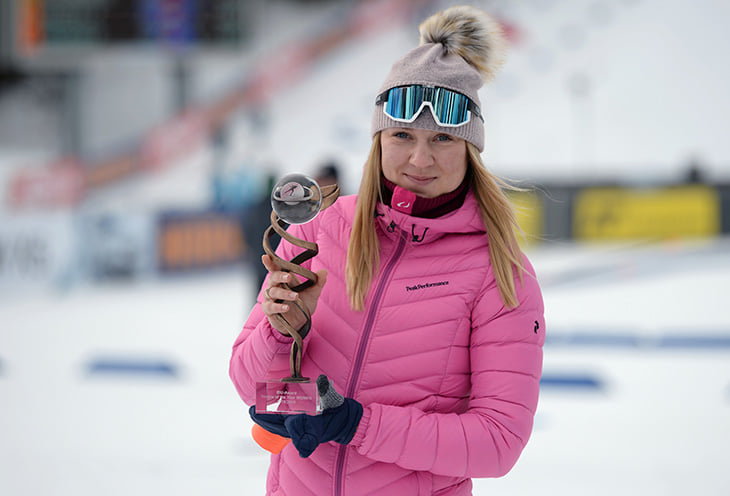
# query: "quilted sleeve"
{"points": [[260, 351], [487, 439]]}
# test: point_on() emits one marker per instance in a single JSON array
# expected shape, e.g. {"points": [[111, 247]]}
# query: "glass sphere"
{"points": [[296, 198]]}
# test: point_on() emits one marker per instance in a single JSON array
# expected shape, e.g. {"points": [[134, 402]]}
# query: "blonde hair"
{"points": [[363, 257]]}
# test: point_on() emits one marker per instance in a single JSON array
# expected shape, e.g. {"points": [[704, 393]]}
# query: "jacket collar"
{"points": [[464, 220]]}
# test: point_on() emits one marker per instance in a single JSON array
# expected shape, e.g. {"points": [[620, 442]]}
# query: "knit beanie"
{"points": [[460, 49]]}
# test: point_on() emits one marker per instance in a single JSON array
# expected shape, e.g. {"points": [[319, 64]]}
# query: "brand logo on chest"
{"points": [[426, 285]]}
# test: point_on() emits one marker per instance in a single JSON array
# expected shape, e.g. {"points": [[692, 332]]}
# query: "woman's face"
{"points": [[428, 163]]}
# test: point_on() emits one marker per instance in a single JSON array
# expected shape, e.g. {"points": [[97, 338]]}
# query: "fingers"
{"points": [[277, 292], [269, 263], [280, 297], [276, 275]]}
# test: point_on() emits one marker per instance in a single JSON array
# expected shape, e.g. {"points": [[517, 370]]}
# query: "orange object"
{"points": [[31, 21], [269, 441]]}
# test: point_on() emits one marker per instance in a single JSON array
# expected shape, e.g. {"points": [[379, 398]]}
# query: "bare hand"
{"points": [[277, 291]]}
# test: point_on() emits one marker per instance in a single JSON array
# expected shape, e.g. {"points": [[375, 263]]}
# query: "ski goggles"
{"points": [[449, 108]]}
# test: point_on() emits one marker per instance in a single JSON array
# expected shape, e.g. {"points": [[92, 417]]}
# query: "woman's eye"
{"points": [[401, 134], [443, 137]]}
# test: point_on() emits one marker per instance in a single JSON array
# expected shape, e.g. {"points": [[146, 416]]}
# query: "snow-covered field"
{"points": [[123, 390]]}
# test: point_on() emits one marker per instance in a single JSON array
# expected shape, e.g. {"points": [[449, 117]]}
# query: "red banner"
{"points": [[60, 184]]}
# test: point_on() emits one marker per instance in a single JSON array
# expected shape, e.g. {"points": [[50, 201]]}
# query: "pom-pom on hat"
{"points": [[461, 48]]}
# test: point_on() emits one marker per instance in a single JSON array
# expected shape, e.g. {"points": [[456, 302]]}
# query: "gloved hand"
{"points": [[338, 421], [272, 422]]}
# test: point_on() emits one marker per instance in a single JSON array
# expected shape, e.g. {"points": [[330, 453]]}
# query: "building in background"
{"points": [[162, 109]]}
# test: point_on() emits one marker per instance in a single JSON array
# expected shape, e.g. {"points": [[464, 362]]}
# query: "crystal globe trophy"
{"points": [[295, 199]]}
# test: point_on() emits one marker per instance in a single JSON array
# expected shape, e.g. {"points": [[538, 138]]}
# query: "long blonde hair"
{"points": [[363, 256]]}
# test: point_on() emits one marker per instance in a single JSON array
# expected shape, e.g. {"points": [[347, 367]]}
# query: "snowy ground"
{"points": [[636, 397]]}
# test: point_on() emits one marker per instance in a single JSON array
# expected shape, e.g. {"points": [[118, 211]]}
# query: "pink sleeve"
{"points": [[260, 351], [488, 438]]}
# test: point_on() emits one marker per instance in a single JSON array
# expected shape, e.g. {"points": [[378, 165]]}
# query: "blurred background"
{"points": [[138, 143]]}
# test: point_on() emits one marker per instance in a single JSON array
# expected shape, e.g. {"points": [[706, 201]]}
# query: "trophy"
{"points": [[295, 199]]}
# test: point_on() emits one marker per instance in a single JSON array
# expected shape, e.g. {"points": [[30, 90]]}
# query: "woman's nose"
{"points": [[421, 155]]}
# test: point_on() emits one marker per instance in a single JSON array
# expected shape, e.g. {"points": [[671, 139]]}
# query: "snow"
{"points": [[658, 423]]}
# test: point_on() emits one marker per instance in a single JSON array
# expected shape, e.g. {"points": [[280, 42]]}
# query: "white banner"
{"points": [[36, 250]]}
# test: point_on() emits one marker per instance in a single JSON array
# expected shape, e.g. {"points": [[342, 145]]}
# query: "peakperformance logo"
{"points": [[427, 285]]}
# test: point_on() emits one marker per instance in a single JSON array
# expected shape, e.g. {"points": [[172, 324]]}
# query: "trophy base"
{"points": [[288, 396]]}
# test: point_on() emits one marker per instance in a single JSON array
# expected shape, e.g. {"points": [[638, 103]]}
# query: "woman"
{"points": [[426, 315]]}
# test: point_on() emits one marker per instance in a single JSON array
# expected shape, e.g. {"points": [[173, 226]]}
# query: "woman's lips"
{"points": [[420, 179]]}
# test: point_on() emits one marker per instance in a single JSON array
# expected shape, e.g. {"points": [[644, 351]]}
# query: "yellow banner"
{"points": [[530, 214], [662, 213]]}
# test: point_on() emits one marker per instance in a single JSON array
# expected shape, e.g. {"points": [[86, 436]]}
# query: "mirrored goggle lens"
{"points": [[405, 103]]}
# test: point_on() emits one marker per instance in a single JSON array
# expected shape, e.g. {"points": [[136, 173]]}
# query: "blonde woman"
{"points": [[427, 320]]}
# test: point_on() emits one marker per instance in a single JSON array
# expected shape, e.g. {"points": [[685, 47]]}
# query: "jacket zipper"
{"points": [[364, 338]]}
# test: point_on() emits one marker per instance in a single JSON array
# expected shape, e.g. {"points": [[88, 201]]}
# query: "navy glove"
{"points": [[338, 421], [272, 422]]}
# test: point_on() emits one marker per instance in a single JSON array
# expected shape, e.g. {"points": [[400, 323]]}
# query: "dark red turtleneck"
{"points": [[429, 208]]}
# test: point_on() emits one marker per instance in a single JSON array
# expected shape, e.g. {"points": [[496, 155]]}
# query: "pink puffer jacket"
{"points": [[447, 376]]}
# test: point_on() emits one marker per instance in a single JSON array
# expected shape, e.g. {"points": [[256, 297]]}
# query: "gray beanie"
{"points": [[461, 48]]}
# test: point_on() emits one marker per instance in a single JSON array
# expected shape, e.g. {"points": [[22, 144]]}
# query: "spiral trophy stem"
{"points": [[308, 278]]}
